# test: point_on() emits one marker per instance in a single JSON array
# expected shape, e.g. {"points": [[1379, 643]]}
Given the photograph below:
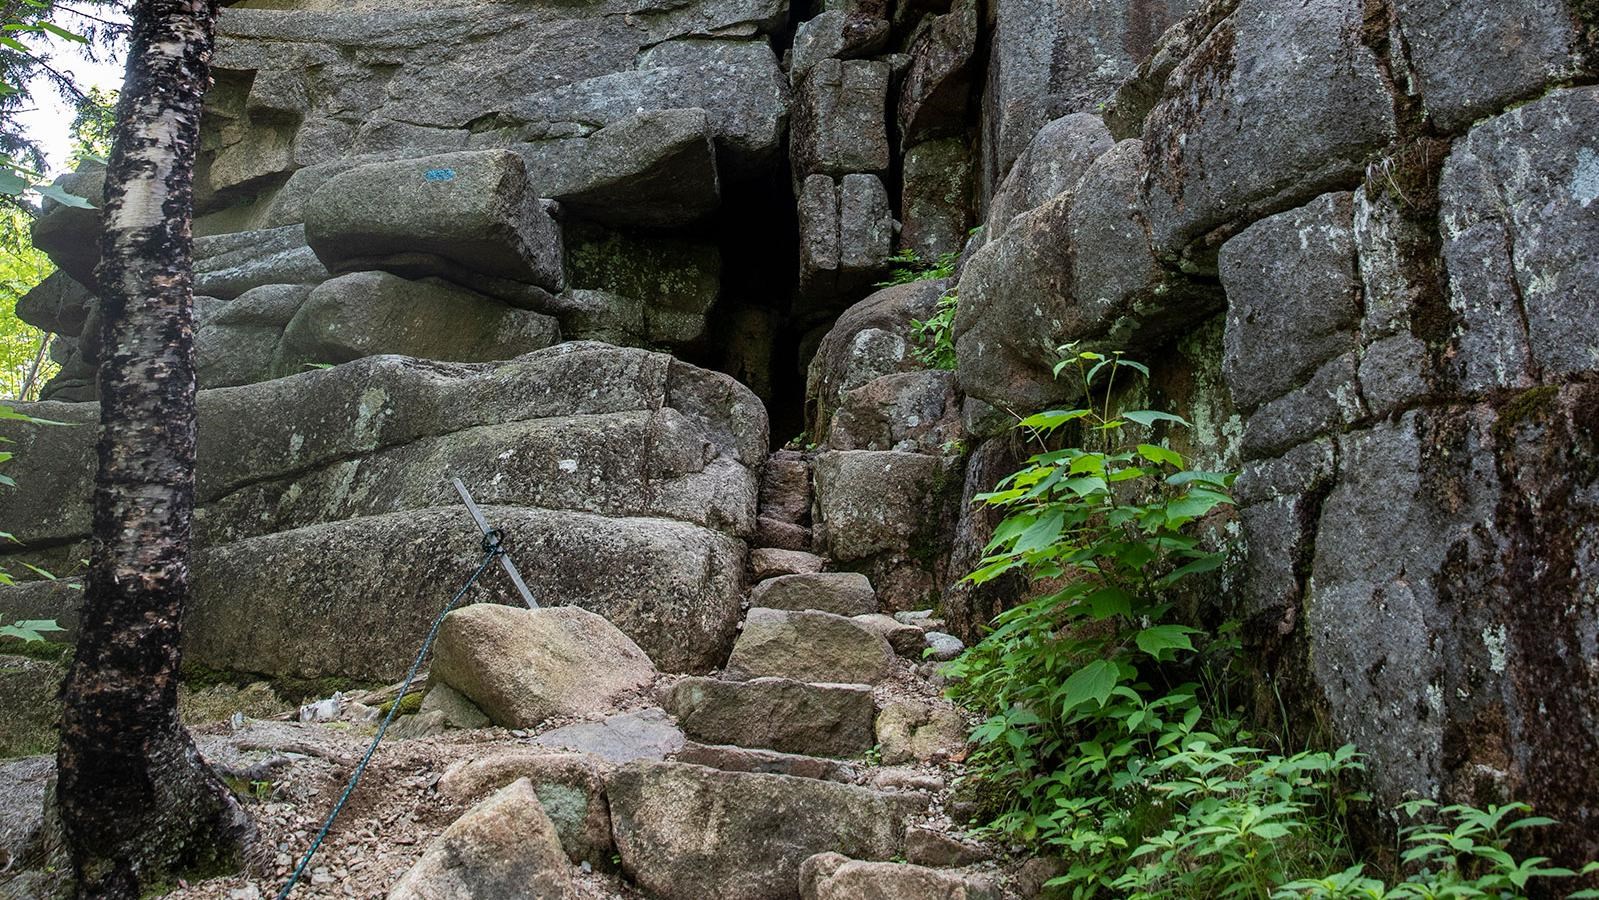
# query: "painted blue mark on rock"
{"points": [[440, 175]]}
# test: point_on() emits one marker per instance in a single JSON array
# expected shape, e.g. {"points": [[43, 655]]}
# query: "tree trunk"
{"points": [[137, 803]]}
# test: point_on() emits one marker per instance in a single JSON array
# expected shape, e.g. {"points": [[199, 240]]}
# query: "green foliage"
{"points": [[935, 338], [1462, 854], [24, 362], [907, 267], [31, 630], [93, 127], [1108, 738]]}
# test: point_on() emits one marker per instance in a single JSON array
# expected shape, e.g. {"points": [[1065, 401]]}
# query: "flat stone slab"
{"points": [[808, 646], [645, 735], [776, 713], [842, 593]]}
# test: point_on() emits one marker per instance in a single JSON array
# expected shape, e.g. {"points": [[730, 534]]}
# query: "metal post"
{"points": [[505, 558]]}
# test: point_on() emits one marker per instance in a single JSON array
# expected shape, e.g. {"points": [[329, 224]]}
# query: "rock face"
{"points": [[832, 876], [348, 459], [686, 831], [522, 666], [1354, 242], [505, 847]]}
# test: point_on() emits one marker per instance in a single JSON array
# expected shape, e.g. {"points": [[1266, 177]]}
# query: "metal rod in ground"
{"points": [[505, 558]]}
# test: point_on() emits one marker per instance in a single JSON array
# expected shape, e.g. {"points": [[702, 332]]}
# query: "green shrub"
{"points": [[935, 338], [1106, 736]]}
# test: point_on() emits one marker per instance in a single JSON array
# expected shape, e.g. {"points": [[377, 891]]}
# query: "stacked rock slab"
{"points": [[624, 480]]}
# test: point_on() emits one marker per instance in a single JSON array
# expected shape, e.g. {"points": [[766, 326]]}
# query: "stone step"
{"points": [[776, 714], [770, 562], [786, 488], [907, 640], [730, 758], [842, 593], [808, 646], [833, 876], [688, 832], [778, 535]]}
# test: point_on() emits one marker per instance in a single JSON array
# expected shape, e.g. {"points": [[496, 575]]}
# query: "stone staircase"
{"points": [[816, 765]]}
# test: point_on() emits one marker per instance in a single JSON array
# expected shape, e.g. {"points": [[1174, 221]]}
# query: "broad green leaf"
{"points": [[1148, 417], [1160, 640], [60, 196], [1157, 454], [1092, 683]]}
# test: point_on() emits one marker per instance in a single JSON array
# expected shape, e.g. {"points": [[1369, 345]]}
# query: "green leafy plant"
{"points": [[30, 630], [1107, 737], [935, 338], [1462, 853], [907, 267]]}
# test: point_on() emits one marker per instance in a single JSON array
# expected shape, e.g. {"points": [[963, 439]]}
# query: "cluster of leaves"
{"points": [[908, 267], [24, 359], [1106, 736], [1461, 851], [934, 338]]}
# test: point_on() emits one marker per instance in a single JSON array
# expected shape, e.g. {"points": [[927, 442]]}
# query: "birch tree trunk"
{"points": [[137, 803]]}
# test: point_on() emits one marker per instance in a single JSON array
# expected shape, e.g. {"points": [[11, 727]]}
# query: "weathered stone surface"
{"points": [[936, 91], [625, 738], [523, 666], [1079, 268], [373, 437], [847, 233], [1049, 58], [907, 640], [912, 412], [58, 305], [929, 847], [29, 690], [970, 608], [1293, 298], [473, 209], [1214, 160], [1474, 59], [908, 730], [887, 514], [70, 235], [776, 713], [368, 313], [1329, 400], [808, 646], [841, 593], [771, 562], [503, 848], [730, 758], [228, 265], [675, 280], [835, 34], [239, 345], [840, 119], [786, 487], [458, 712], [570, 789], [654, 169], [1053, 162], [943, 647], [780, 535], [1522, 274], [268, 604], [833, 876], [871, 339], [690, 833], [936, 201]]}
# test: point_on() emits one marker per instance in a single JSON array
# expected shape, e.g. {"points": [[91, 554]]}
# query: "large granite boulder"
{"points": [[503, 848], [523, 666], [833, 876], [686, 832], [1215, 155], [776, 713], [808, 646], [301, 478], [473, 210]]}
